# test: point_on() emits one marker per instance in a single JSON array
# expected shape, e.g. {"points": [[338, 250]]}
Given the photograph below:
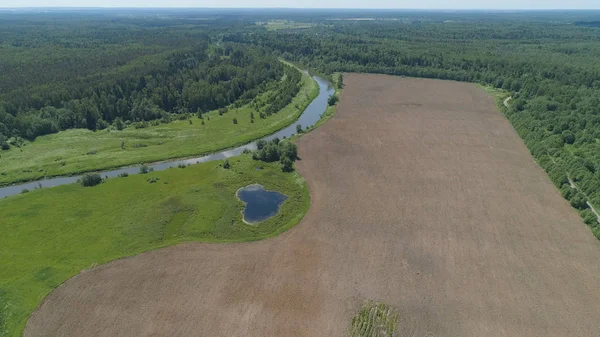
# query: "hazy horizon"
{"points": [[309, 4]]}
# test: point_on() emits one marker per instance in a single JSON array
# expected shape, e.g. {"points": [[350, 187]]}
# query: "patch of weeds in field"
{"points": [[375, 320]]}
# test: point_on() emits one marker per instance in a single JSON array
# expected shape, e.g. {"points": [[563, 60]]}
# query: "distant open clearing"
{"points": [[422, 197]]}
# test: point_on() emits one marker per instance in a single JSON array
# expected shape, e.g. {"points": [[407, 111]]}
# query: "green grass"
{"points": [[50, 235], [76, 151], [499, 95], [375, 320]]}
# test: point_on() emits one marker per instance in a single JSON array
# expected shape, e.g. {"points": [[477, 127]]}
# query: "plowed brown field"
{"points": [[423, 197]]}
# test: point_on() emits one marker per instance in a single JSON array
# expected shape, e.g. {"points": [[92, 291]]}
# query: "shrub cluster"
{"points": [[90, 179], [3, 143], [332, 100], [283, 151]]}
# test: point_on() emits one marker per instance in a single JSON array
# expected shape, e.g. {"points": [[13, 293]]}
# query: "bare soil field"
{"points": [[423, 197]]}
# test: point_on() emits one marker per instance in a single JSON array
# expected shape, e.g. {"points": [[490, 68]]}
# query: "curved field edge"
{"points": [[88, 151], [51, 242]]}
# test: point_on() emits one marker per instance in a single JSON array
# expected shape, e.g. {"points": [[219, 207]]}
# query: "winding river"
{"points": [[309, 117]]}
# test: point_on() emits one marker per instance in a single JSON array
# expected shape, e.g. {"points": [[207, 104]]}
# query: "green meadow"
{"points": [[78, 150], [53, 234]]}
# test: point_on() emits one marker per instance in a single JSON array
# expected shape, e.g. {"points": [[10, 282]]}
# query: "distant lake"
{"points": [[260, 203]]}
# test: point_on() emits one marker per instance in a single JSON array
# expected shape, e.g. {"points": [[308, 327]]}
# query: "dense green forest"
{"points": [[111, 74], [98, 68], [193, 80]]}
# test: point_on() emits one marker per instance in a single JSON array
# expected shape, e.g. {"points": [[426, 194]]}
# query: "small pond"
{"points": [[260, 203]]}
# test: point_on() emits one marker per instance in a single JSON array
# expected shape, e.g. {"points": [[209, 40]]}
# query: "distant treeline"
{"points": [[588, 23]]}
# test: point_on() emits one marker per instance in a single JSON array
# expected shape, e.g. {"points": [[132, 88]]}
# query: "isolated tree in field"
{"points": [[226, 164], [235, 121]]}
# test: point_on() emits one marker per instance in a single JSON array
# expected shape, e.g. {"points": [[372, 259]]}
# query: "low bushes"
{"points": [[90, 179]]}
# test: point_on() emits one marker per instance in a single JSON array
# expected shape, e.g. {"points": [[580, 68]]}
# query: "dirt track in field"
{"points": [[422, 196]]}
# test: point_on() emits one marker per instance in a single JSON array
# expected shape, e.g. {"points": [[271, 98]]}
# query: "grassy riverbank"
{"points": [[76, 151], [46, 242]]}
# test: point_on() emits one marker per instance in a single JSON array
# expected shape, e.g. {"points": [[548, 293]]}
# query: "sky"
{"points": [[400, 4]]}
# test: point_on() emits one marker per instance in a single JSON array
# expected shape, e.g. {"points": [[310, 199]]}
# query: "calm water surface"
{"points": [[260, 204], [309, 117]]}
